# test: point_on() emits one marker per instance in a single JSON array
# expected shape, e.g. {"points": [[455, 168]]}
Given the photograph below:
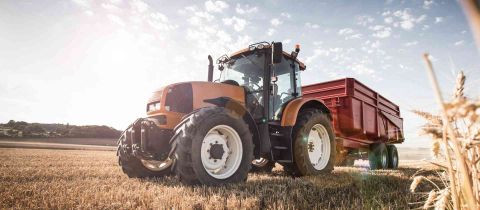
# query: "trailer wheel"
{"points": [[313, 146], [392, 156], [137, 168], [213, 147], [262, 165], [378, 156]]}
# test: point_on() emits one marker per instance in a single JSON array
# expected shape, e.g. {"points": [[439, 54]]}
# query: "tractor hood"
{"points": [[188, 96]]}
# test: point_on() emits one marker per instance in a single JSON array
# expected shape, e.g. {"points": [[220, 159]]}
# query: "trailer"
{"points": [[362, 118]]}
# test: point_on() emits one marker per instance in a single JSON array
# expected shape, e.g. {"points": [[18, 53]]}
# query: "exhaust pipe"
{"points": [[210, 68]]}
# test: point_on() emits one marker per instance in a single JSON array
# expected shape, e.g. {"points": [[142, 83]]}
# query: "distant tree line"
{"points": [[20, 129]]}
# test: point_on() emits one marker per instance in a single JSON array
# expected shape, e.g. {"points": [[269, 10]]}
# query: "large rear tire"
{"points": [[313, 146], [378, 156], [137, 168], [213, 147], [392, 157]]}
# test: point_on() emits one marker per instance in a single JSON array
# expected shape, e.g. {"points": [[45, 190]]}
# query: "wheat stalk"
{"points": [[456, 136]]}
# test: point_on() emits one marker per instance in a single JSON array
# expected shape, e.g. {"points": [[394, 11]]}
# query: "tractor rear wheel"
{"points": [[213, 146], [392, 156], [378, 156], [139, 168], [313, 146]]}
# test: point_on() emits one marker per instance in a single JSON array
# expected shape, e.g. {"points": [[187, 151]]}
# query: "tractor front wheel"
{"points": [[213, 147]]}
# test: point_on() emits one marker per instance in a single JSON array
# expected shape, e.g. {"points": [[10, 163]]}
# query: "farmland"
{"points": [[43, 178]]}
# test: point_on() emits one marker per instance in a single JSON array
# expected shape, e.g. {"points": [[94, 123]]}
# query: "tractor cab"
{"points": [[270, 79]]}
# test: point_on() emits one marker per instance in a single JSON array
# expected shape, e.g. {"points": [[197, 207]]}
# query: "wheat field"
{"points": [[65, 179]]}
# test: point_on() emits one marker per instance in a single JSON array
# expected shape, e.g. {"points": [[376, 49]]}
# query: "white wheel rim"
{"points": [[260, 162], [221, 152], [318, 147], [156, 165]]}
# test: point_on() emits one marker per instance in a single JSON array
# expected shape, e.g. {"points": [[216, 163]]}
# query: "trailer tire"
{"points": [[378, 156], [308, 121], [134, 168], [258, 167], [194, 153], [392, 156]]}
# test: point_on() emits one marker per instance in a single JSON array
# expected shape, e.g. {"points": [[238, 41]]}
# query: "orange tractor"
{"points": [[216, 132]]}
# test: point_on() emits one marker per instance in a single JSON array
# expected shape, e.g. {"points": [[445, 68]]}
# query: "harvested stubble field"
{"points": [[65, 179]]}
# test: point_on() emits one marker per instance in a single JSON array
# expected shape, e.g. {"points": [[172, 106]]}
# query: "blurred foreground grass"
{"points": [[65, 179]]}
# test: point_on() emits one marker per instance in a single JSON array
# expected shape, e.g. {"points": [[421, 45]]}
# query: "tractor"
{"points": [[216, 132]]}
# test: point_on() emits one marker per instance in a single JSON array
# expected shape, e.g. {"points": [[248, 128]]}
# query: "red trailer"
{"points": [[362, 118]]}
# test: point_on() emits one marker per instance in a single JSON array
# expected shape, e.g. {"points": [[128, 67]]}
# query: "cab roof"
{"points": [[242, 51]]}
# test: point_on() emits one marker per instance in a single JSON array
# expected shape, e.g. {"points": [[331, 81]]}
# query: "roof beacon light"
{"points": [[297, 50]]}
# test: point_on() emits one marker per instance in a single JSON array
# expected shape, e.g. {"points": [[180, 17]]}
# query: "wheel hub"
{"points": [[216, 151]]}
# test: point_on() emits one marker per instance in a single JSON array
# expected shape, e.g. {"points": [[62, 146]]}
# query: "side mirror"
{"points": [[277, 52]]}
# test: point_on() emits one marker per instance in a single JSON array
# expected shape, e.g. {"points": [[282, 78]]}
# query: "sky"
{"points": [[97, 61]]}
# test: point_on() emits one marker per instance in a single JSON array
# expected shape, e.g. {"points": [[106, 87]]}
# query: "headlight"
{"points": [[153, 106]]}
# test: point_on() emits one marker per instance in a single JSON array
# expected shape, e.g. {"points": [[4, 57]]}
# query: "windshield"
{"points": [[247, 71]]}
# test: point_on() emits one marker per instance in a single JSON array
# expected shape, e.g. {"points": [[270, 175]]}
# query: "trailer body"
{"points": [[361, 116]]}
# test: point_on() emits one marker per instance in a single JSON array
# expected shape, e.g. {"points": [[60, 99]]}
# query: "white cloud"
{"points": [[89, 13], [116, 19], [271, 31], [223, 36], [421, 18], [364, 20], [83, 3], [139, 6], [246, 9], [160, 22], [311, 25], [408, 44], [403, 18], [427, 4], [275, 22], [237, 23], [345, 31], [361, 69], [388, 20], [438, 19], [459, 43], [111, 7], [354, 36], [215, 6], [285, 14], [286, 41], [382, 32], [407, 25]]}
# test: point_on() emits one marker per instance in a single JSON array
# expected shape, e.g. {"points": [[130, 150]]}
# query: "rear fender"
{"points": [[290, 113], [242, 112]]}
